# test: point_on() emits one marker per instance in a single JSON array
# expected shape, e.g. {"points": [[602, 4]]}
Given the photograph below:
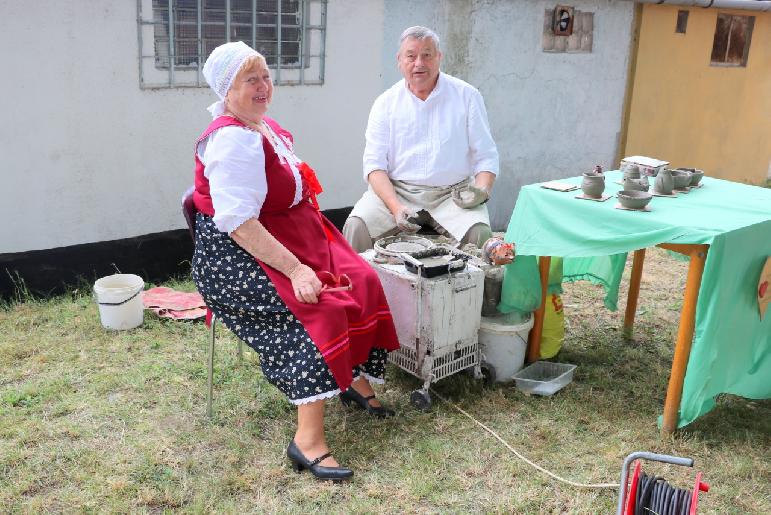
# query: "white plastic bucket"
{"points": [[120, 301], [503, 342]]}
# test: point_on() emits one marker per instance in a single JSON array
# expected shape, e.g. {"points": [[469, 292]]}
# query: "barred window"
{"points": [[176, 37]]}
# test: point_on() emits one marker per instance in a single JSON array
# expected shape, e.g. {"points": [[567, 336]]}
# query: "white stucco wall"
{"points": [[88, 156], [556, 115], [552, 115]]}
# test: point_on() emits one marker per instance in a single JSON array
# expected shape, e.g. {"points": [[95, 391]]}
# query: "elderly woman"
{"points": [[275, 270]]}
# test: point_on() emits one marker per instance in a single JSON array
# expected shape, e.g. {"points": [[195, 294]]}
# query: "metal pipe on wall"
{"points": [[748, 5]]}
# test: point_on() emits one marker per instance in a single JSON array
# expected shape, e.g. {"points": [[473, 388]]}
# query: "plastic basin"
{"points": [[544, 377]]}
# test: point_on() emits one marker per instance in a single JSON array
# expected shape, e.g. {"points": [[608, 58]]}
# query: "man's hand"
{"points": [[470, 197], [405, 218]]}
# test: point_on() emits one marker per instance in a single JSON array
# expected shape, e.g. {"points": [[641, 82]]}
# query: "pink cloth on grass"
{"points": [[170, 303]]}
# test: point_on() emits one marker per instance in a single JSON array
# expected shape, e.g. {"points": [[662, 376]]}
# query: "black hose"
{"points": [[655, 495]]}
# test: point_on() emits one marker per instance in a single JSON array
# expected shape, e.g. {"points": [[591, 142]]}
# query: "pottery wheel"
{"points": [[395, 246], [436, 261], [405, 246]]}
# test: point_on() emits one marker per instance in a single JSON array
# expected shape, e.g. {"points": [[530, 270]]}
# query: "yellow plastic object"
{"points": [[764, 292], [553, 327]]}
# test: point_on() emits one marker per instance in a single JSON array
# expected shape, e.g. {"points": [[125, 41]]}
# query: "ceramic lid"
{"points": [[645, 161]]}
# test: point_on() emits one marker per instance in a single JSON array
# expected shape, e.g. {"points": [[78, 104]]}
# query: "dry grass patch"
{"points": [[99, 421]]}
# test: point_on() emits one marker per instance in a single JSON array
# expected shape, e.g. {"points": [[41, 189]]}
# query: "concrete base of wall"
{"points": [[155, 257], [43, 273]]}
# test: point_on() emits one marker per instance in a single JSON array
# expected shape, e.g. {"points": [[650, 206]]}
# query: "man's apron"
{"points": [[435, 200]]}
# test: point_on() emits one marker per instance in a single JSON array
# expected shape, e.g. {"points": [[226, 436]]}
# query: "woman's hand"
{"points": [[253, 237], [305, 284]]}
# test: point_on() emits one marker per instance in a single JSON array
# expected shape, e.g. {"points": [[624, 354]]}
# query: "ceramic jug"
{"points": [[593, 184], [664, 182]]}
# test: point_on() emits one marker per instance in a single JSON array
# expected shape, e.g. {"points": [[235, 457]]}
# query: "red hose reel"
{"points": [[628, 491]]}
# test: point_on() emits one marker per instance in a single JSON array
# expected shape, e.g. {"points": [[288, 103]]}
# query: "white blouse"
{"points": [[234, 163], [434, 142]]}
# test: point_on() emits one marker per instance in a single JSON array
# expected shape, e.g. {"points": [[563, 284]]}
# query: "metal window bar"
{"points": [[172, 53], [323, 29], [140, 24], [301, 48], [279, 42], [254, 23], [228, 16], [177, 44], [198, 16]]}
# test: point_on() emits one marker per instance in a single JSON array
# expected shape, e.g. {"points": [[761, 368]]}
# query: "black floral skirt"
{"points": [[238, 291]]}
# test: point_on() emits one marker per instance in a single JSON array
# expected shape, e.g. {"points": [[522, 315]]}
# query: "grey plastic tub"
{"points": [[544, 377]]}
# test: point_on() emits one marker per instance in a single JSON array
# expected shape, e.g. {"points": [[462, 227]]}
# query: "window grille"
{"points": [[176, 37]]}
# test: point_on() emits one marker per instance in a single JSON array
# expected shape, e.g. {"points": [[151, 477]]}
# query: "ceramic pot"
{"points": [[681, 178], [696, 177], [664, 182], [633, 199], [593, 185], [492, 291], [631, 171]]}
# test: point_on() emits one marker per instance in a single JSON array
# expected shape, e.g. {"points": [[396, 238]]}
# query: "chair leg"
{"points": [[210, 367]]}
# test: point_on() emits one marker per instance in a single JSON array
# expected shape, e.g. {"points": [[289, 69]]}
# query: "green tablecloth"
{"points": [[731, 352]]}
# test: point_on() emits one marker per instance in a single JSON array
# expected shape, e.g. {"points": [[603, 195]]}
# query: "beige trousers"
{"points": [[434, 206]]}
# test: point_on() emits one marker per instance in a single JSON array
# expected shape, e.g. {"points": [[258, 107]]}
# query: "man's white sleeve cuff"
{"points": [[487, 167]]}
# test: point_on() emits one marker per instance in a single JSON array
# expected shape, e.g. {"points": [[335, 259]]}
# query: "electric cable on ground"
{"points": [[518, 455]]}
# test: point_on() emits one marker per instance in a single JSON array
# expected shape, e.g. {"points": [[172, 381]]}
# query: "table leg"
{"points": [[684, 340], [634, 292], [534, 341]]}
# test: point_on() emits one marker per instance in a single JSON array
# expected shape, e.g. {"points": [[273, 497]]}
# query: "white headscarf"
{"points": [[221, 68]]}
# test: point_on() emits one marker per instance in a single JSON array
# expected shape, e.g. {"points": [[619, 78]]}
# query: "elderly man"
{"points": [[429, 158]]}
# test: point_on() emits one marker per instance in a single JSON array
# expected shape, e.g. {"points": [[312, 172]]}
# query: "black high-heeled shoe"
{"points": [[300, 463], [352, 396]]}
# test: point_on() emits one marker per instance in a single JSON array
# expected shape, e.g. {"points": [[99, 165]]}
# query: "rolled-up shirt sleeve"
{"points": [[377, 138], [484, 153], [234, 163]]}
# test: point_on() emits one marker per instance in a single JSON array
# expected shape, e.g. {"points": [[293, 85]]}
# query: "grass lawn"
{"points": [[97, 421]]}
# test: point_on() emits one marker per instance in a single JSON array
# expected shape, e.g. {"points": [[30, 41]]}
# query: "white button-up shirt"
{"points": [[434, 142]]}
